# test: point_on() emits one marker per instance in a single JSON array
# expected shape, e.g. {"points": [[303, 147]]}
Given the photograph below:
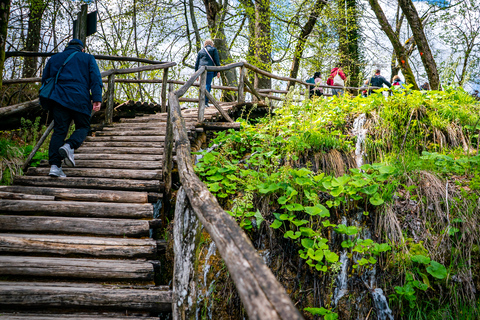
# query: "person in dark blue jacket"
{"points": [[79, 84], [208, 56], [378, 81]]}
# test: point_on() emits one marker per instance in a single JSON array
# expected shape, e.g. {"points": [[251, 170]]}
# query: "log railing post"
{"points": [[164, 90], [110, 97], [37, 146], [241, 86], [201, 96], [167, 162], [186, 234]]}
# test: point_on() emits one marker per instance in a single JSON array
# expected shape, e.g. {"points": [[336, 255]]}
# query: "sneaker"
{"points": [[67, 153], [56, 172]]}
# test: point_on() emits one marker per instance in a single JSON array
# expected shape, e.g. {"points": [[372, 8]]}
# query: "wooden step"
{"points": [[76, 268], [74, 295], [131, 133], [23, 196], [81, 194], [121, 150], [90, 183], [118, 156], [126, 139], [127, 144], [119, 164], [160, 127], [78, 208], [67, 225], [82, 316], [78, 246], [104, 172]]}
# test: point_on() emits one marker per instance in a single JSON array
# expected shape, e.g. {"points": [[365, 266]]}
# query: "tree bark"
{"points": [[302, 39], [33, 37], [4, 16], [397, 46], [263, 43], [421, 40]]}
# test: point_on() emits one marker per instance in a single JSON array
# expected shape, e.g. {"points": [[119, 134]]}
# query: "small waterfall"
{"points": [[341, 280], [381, 304], [361, 134], [204, 291]]}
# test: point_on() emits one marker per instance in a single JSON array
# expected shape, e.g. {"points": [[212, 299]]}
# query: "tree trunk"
{"points": [[263, 43], [397, 46], [216, 18], [300, 47], [421, 40], [33, 37], [4, 15]]}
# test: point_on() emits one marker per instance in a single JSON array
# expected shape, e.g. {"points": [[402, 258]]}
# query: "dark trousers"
{"points": [[62, 117], [210, 75]]}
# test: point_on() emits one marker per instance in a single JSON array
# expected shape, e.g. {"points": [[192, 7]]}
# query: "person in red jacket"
{"points": [[339, 81]]}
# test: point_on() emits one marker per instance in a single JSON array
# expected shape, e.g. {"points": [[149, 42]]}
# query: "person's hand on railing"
{"points": [[96, 106]]}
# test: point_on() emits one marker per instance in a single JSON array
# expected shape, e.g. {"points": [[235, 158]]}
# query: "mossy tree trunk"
{"points": [[4, 15], [32, 44]]}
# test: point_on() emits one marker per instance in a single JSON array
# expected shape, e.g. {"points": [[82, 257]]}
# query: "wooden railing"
{"points": [[262, 295]]}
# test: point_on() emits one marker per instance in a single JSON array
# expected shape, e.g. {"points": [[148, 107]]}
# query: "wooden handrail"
{"points": [[9, 54], [262, 295]]}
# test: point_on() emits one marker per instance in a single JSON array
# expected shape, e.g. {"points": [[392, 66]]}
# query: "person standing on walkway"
{"points": [[208, 56], [378, 81], [337, 78], [396, 81], [315, 81], [79, 84]]}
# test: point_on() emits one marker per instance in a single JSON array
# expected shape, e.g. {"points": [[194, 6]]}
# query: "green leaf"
{"points": [[437, 270], [214, 187], [347, 244], [337, 191], [259, 218], [328, 224], [294, 207], [340, 181], [284, 216], [216, 177], [318, 209], [276, 224], [376, 200], [363, 262], [266, 188], [421, 259], [282, 200], [290, 234], [299, 223], [370, 189], [317, 311], [387, 169], [331, 257], [307, 243]]}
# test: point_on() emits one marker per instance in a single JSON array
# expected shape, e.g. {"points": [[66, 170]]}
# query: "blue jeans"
{"points": [[210, 76], [337, 92], [62, 118]]}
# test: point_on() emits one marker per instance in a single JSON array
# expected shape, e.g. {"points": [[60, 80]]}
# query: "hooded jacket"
{"points": [[333, 73], [79, 82]]}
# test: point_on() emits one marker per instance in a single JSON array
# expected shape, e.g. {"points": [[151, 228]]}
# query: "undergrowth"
{"points": [[417, 196]]}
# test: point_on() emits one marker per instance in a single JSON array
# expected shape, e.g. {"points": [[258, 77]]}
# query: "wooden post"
{"points": [[37, 146], [167, 163], [110, 96], [186, 234], [81, 29], [201, 96], [253, 90], [219, 108], [164, 90], [241, 86]]}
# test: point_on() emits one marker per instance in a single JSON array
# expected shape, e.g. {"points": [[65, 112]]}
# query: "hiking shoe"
{"points": [[56, 172], [67, 153]]}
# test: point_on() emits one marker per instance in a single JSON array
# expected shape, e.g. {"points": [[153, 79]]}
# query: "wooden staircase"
{"points": [[79, 247]]}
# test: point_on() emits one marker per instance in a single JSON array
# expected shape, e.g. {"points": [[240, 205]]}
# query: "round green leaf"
{"points": [[437, 270]]}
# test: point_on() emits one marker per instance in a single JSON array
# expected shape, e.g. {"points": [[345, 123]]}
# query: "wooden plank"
{"points": [[117, 150], [126, 139], [81, 194], [118, 164], [91, 183], [76, 268], [141, 127], [78, 246], [158, 132], [201, 96], [47, 295], [262, 295], [37, 146], [118, 156], [49, 316], [110, 97], [181, 91], [128, 144], [220, 125], [241, 85], [23, 196], [218, 107], [105, 173], [78, 208], [67, 225]]}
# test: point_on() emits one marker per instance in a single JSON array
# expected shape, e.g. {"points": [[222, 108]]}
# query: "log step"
{"points": [[76, 268], [81, 194], [123, 144], [90, 183], [131, 133], [103, 172], [76, 208], [78, 246], [110, 150], [50, 316], [23, 196], [126, 139], [67, 225], [118, 164], [118, 156], [65, 295]]}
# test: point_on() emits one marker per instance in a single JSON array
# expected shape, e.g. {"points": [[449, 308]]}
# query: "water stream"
{"points": [[204, 290]]}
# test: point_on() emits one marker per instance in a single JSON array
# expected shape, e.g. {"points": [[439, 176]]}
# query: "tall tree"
{"points": [[397, 46], [36, 8], [263, 42], [422, 43], [305, 32], [4, 15]]}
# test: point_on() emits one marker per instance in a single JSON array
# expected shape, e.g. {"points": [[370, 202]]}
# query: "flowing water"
{"points": [[205, 290], [361, 134]]}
